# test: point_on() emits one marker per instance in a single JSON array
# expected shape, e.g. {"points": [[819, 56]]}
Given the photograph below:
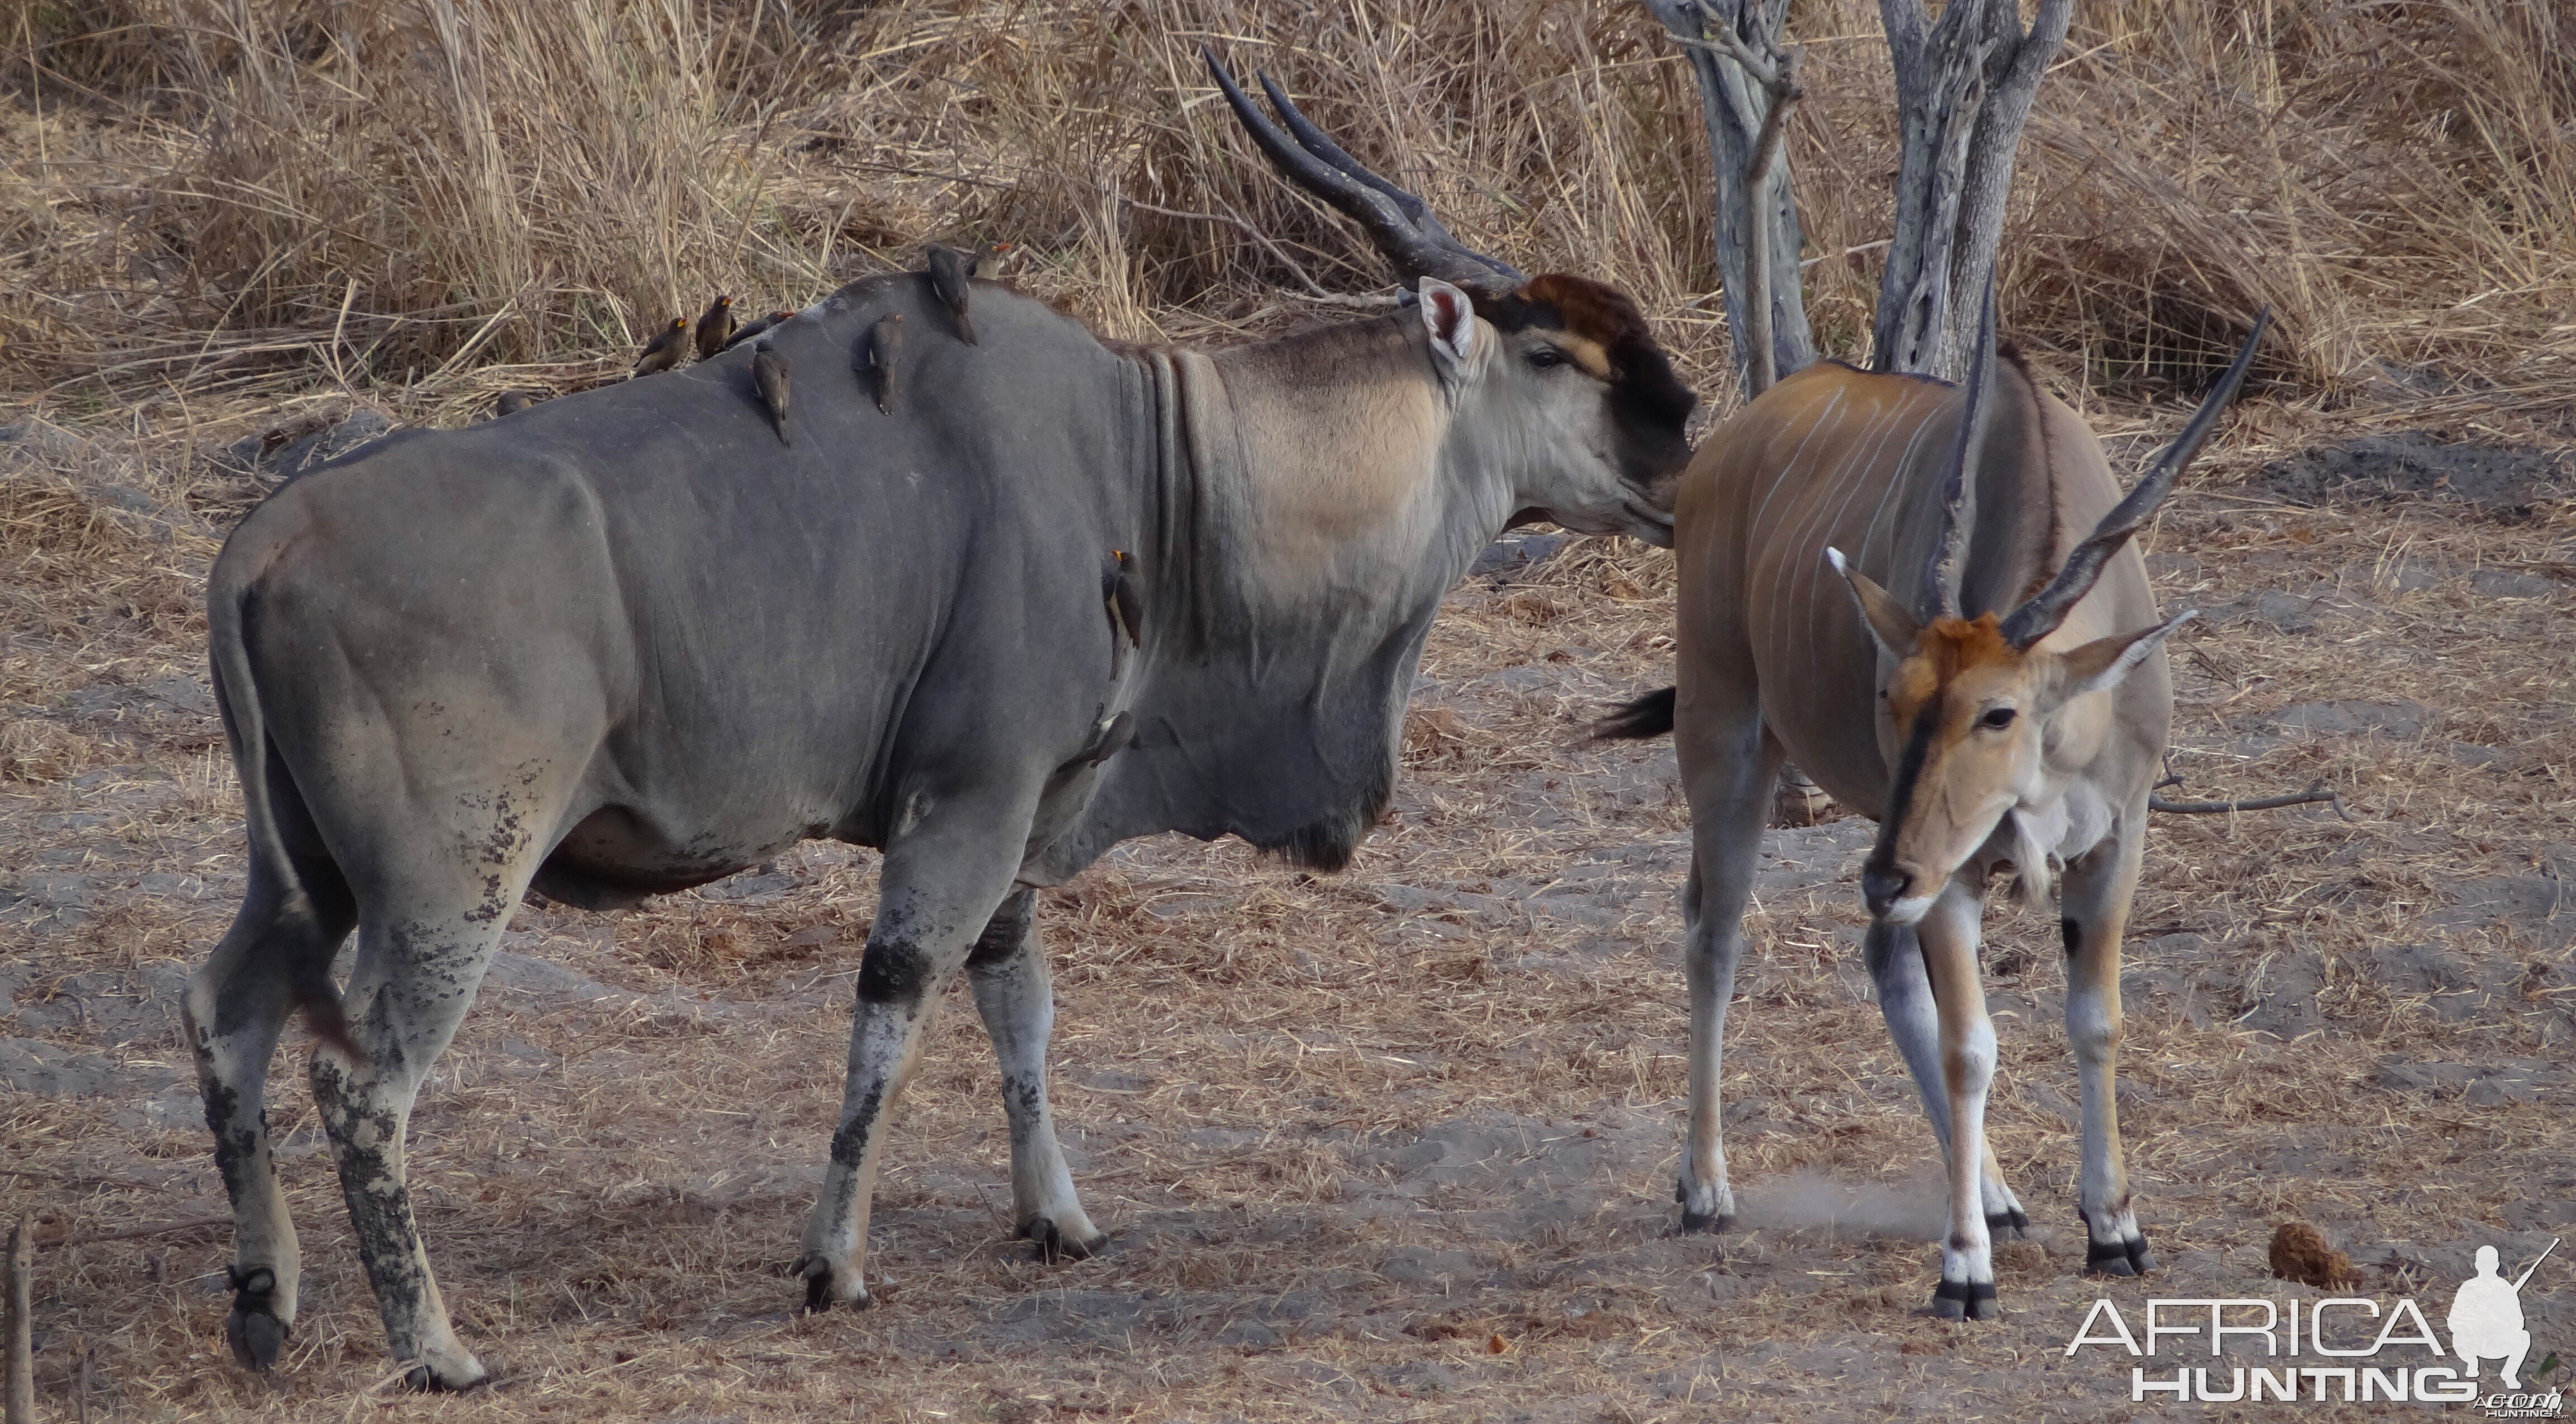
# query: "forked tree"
{"points": [[1964, 85]]}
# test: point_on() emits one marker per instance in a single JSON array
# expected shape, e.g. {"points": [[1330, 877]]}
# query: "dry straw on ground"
{"points": [[1352, 1131]]}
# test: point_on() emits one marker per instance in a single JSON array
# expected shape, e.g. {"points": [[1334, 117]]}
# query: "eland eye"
{"points": [[1996, 719], [1544, 357]]}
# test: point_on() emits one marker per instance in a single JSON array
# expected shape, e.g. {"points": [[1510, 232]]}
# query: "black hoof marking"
{"points": [[421, 1379], [1051, 1245], [2118, 1258], [818, 1284], [1965, 1300], [252, 1327], [2014, 1223]]}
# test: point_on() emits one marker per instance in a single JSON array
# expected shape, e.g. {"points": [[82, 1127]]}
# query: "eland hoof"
{"points": [[2013, 1222], [819, 1295], [1704, 1210], [445, 1369], [1050, 1244], [2118, 1258], [1965, 1300], [257, 1335]]}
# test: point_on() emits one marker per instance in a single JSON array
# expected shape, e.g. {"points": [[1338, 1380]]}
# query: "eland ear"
{"points": [[1889, 622], [1450, 317], [2103, 662]]}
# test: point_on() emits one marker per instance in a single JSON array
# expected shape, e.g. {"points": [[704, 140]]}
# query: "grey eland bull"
{"points": [[2009, 712], [625, 642]]}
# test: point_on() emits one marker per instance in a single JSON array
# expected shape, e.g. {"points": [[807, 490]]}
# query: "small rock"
{"points": [[2504, 583]]}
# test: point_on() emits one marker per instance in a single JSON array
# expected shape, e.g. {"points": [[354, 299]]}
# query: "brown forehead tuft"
{"points": [[1592, 310], [1602, 315], [1944, 649]]}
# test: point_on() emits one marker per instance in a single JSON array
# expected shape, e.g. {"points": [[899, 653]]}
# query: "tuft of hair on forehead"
{"points": [[1605, 316], [1945, 648], [1957, 644]]}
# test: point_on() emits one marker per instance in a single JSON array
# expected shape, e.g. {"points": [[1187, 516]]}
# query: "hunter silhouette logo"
{"points": [[2347, 1349], [2486, 1316]]}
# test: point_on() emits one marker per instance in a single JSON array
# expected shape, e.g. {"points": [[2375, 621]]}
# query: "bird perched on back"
{"points": [[769, 377], [754, 328], [715, 326], [884, 347], [1108, 739], [512, 402], [950, 271], [663, 352], [1124, 593], [986, 262]]}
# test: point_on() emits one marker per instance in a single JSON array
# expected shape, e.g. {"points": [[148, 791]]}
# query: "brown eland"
{"points": [[625, 643], [1992, 677]]}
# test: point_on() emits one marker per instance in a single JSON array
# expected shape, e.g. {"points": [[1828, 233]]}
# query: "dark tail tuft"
{"points": [[1648, 716]]}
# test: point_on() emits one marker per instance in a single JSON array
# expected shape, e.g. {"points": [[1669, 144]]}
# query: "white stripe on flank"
{"points": [[1851, 477]]}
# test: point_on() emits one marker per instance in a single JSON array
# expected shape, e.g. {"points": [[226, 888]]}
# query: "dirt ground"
{"points": [[1395, 1144]]}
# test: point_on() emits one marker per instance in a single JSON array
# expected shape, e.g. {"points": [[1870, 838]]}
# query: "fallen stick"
{"points": [[18, 1403], [2266, 803]]}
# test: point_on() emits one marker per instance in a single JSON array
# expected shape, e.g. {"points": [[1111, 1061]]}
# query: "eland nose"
{"points": [[1882, 886]]}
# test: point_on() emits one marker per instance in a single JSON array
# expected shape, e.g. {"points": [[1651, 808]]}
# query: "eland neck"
{"points": [[1323, 468]]}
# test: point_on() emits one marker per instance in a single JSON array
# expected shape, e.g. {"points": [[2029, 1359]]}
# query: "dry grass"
{"points": [[1396, 1143], [405, 199]]}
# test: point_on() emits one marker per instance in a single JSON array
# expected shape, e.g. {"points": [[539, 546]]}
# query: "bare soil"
{"points": [[1396, 1144]]}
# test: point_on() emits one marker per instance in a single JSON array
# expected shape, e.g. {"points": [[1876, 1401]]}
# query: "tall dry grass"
{"points": [[233, 193]]}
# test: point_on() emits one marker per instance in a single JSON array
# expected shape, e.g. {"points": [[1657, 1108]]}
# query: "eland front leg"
{"points": [[1016, 999], [1895, 963], [942, 884], [1949, 934], [2094, 901]]}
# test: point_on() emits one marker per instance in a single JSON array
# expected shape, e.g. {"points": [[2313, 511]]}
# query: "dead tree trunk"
{"points": [[1745, 84], [1963, 92]]}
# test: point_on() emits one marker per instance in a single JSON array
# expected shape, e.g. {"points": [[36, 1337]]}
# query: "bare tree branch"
{"points": [[2319, 792], [1743, 73]]}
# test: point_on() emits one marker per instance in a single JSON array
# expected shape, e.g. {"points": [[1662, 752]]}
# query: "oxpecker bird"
{"points": [[769, 377], [753, 329], [512, 402], [883, 349], [715, 327], [949, 271], [1109, 739], [663, 352], [1125, 596], [986, 264]]}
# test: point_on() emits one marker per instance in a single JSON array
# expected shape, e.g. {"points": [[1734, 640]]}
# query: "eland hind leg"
{"points": [[1895, 961], [941, 885], [2094, 901], [428, 924], [1729, 763], [1012, 991], [291, 922]]}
